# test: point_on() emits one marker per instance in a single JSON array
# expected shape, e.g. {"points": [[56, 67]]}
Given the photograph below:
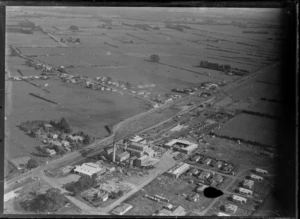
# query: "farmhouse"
{"points": [[50, 151], [256, 177], [75, 138], [178, 170], [181, 145], [121, 209], [230, 208], [245, 191], [239, 199], [55, 143], [88, 169], [248, 184]]}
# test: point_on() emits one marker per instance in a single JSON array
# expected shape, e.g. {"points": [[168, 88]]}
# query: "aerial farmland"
{"points": [[143, 111]]}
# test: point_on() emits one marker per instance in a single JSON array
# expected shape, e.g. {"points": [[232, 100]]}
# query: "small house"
{"points": [[204, 175], [256, 177], [51, 151], [219, 164], [207, 161], [65, 143], [248, 184], [258, 170], [194, 197], [245, 191], [239, 199], [230, 208]]}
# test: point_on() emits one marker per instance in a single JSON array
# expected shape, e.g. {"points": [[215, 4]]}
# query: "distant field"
{"points": [[37, 39], [256, 90], [267, 108], [251, 128], [272, 77]]}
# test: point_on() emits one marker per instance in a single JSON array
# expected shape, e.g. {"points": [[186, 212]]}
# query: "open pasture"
{"points": [[251, 128]]}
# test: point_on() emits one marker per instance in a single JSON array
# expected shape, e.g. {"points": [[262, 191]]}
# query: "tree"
{"points": [[63, 125], [32, 164], [86, 140], [73, 27], [77, 40], [154, 58], [51, 201]]}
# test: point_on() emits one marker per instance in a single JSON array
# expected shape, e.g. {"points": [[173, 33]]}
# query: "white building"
{"points": [[258, 170], [121, 209], [256, 177], [248, 184], [245, 191], [221, 214], [65, 143], [136, 139], [178, 170], [239, 199], [230, 208], [182, 145], [88, 169]]}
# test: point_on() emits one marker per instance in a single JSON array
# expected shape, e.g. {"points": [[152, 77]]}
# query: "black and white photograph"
{"points": [[149, 111]]}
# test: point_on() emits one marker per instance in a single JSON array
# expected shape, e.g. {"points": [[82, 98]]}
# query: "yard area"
{"points": [[177, 191]]}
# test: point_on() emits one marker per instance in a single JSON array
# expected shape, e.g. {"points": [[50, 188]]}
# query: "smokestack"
{"points": [[114, 152]]}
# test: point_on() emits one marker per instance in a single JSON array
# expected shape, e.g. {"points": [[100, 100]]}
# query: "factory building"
{"points": [[181, 145], [88, 169], [138, 150]]}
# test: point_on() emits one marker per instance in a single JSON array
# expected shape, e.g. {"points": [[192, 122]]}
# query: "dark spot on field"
{"points": [[211, 192]]}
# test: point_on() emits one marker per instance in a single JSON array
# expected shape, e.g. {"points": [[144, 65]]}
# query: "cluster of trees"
{"points": [[175, 27], [13, 51], [115, 195], [51, 201], [154, 58], [62, 125], [32, 163], [86, 138], [73, 27], [84, 183], [71, 40], [31, 125], [26, 24], [215, 66]]}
